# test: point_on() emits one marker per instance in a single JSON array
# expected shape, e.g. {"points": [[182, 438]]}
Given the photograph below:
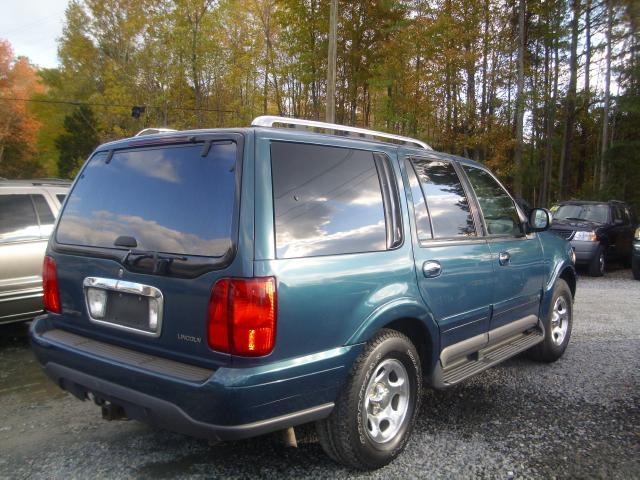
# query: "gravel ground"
{"points": [[578, 417]]}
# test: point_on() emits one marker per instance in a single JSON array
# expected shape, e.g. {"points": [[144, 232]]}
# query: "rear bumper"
{"points": [[585, 251], [232, 403]]}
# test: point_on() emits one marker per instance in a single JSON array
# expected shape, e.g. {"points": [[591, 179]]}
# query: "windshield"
{"points": [[169, 199], [591, 213]]}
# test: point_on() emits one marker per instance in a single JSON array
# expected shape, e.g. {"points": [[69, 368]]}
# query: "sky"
{"points": [[32, 27]]}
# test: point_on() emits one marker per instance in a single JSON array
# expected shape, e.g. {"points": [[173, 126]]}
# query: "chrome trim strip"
{"points": [[486, 340], [125, 287], [270, 120], [465, 347], [515, 327]]}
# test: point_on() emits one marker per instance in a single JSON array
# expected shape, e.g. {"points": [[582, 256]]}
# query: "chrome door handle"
{"points": [[431, 268], [504, 258]]}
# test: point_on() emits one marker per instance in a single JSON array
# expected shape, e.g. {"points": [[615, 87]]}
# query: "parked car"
{"points": [[635, 262], [598, 231], [231, 282], [27, 214]]}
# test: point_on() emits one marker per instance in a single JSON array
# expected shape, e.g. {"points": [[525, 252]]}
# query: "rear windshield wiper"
{"points": [[161, 261]]}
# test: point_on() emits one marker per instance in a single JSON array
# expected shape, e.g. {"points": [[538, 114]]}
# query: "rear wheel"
{"points": [[557, 325], [597, 263], [375, 413]]}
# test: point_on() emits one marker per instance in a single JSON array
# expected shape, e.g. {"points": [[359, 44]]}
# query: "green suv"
{"points": [[232, 282]]}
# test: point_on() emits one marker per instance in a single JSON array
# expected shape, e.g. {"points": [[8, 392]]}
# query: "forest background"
{"points": [[545, 92]]}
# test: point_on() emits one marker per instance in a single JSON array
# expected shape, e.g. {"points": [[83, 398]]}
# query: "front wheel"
{"points": [[635, 267], [597, 263], [557, 325], [375, 413]]}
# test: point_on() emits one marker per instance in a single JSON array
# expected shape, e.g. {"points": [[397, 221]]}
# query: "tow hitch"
{"points": [[110, 411]]}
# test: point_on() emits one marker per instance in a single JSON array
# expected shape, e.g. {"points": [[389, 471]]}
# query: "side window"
{"points": [[617, 214], [500, 213], [327, 201], [629, 215], [18, 219], [447, 202], [45, 215], [423, 225], [61, 197], [44, 210]]}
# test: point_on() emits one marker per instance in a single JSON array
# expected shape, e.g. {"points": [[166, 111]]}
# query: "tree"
{"points": [[570, 104], [520, 102], [605, 108], [18, 126], [79, 140]]}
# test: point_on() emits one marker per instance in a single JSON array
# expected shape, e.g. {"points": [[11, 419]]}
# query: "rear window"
{"points": [[177, 199], [327, 201]]}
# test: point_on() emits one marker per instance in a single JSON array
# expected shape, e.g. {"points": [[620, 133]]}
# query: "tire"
{"points": [[597, 263], [557, 325], [635, 267], [374, 391]]}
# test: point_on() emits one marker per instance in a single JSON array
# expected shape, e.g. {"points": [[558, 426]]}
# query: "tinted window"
{"points": [[423, 226], [61, 198], [170, 199], [590, 212], [44, 211], [18, 219], [446, 199], [499, 211], [327, 201]]}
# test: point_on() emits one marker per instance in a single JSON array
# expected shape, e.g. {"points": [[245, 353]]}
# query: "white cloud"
{"points": [[32, 27]]}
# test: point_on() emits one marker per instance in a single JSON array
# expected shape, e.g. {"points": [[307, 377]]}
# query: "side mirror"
{"points": [[539, 219]]}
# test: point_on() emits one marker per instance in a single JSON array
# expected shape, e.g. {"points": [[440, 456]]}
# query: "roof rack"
{"points": [[37, 181], [153, 131], [270, 121]]}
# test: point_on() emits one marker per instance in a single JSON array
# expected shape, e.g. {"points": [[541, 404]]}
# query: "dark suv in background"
{"points": [[598, 231]]}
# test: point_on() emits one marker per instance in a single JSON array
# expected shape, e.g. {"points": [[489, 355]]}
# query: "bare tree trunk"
{"points": [[582, 160], [551, 106], [567, 137], [517, 154], [607, 92], [331, 64]]}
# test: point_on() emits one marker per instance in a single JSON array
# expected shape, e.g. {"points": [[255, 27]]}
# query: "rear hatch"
{"points": [[146, 232]]}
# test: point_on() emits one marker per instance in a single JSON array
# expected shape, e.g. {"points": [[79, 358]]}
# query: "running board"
{"points": [[485, 358]]}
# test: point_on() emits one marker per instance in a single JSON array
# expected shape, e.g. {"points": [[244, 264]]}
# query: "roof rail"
{"points": [[37, 181], [270, 121], [153, 131]]}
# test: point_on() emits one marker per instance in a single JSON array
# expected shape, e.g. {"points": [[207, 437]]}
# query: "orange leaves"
{"points": [[18, 126]]}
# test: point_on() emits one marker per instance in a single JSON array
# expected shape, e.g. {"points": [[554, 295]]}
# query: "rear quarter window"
{"points": [[327, 201], [18, 220]]}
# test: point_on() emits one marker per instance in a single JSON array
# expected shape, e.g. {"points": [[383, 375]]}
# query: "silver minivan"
{"points": [[28, 209]]}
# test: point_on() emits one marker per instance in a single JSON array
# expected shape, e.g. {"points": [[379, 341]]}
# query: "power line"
{"points": [[114, 105]]}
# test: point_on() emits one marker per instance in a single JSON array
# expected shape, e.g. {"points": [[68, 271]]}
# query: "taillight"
{"points": [[51, 297], [242, 316]]}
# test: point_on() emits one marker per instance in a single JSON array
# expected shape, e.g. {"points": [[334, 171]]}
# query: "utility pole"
{"points": [[331, 64]]}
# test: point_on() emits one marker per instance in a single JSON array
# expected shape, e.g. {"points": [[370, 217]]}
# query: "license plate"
{"points": [[128, 310], [129, 306]]}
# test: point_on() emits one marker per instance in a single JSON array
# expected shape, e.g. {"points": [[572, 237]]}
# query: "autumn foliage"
{"points": [[18, 126]]}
